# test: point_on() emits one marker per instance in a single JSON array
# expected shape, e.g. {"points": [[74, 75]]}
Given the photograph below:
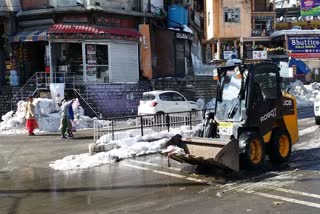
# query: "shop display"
{"points": [[20, 63], [91, 63]]}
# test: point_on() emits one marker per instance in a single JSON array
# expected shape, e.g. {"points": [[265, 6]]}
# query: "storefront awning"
{"points": [[30, 36], [63, 31]]}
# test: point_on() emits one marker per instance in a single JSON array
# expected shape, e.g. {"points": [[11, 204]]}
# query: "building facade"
{"points": [[8, 9], [237, 28]]}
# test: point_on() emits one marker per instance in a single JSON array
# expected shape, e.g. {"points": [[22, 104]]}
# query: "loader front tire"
{"points": [[280, 146], [254, 153]]}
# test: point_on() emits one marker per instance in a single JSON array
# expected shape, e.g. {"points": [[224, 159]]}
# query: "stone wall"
{"points": [[116, 100], [193, 88]]}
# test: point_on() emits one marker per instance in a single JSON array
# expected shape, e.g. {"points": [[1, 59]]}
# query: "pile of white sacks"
{"points": [[47, 115]]}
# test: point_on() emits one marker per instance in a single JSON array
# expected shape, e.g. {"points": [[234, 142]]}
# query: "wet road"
{"points": [[148, 185]]}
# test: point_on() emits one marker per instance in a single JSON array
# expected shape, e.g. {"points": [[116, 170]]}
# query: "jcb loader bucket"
{"points": [[207, 151]]}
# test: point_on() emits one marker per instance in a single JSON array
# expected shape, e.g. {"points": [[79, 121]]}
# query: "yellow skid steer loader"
{"points": [[252, 118]]}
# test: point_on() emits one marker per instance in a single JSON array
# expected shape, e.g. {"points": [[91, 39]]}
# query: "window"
{"points": [[166, 97], [262, 25], [209, 18], [148, 97], [97, 63], [177, 97], [266, 83], [231, 14]]}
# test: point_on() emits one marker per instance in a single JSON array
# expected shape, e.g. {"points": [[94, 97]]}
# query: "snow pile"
{"points": [[305, 94], [174, 150], [47, 115], [121, 149], [211, 104], [199, 68]]}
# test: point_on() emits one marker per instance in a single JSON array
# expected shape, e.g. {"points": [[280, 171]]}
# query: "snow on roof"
{"points": [[185, 29]]}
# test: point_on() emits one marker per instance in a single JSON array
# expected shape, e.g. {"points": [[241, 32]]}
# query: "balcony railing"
{"points": [[260, 32], [305, 25]]}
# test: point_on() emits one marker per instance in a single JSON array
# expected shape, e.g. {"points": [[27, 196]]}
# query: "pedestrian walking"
{"points": [[31, 122], [65, 124], [70, 127]]}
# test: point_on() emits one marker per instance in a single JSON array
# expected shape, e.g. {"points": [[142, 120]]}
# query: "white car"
{"points": [[317, 110], [159, 102]]}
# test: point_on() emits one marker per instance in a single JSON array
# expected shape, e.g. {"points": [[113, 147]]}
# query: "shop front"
{"points": [[302, 45], [29, 55], [95, 55]]}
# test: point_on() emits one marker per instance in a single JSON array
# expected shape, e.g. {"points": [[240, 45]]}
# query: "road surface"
{"points": [[147, 185]]}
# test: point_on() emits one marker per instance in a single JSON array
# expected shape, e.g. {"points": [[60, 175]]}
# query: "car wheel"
{"points": [[317, 120]]}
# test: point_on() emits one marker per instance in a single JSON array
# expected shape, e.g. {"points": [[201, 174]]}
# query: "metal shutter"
{"points": [[124, 63]]}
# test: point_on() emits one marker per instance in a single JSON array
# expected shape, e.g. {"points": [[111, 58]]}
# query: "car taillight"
{"points": [[153, 104]]}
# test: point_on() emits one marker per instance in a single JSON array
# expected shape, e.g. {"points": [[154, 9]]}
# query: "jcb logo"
{"points": [[287, 102]]}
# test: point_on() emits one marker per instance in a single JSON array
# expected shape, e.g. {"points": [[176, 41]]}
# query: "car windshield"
{"points": [[148, 97], [229, 106]]}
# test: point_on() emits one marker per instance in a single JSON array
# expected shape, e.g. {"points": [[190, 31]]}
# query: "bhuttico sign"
{"points": [[304, 47]]}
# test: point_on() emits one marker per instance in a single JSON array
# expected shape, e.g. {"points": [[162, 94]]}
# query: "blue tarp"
{"points": [[302, 68]]}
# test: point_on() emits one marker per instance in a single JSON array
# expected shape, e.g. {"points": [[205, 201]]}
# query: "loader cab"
{"points": [[264, 96], [254, 89]]}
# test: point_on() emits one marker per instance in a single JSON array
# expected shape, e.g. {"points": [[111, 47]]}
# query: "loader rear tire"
{"points": [[279, 148], [254, 153]]}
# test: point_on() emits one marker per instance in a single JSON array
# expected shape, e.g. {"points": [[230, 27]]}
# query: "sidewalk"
{"points": [[38, 151]]}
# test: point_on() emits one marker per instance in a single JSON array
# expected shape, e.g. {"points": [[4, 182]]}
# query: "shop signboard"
{"points": [[115, 21], [304, 47], [259, 54], [145, 50], [310, 7], [75, 19], [228, 54]]}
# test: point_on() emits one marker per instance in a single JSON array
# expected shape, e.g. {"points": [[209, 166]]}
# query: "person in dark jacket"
{"points": [[71, 118]]}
